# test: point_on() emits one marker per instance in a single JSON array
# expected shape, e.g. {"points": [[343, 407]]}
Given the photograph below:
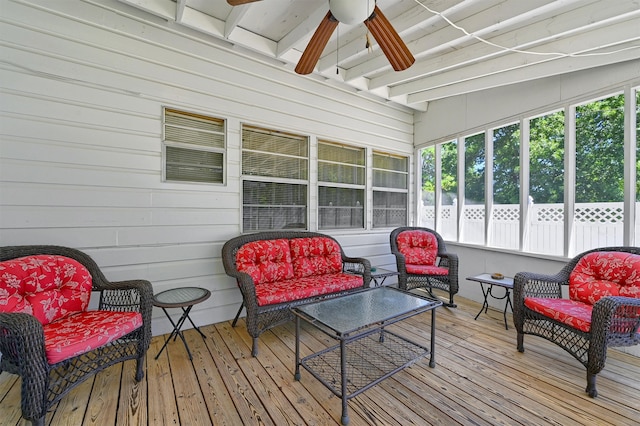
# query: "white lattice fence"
{"points": [[595, 225]]}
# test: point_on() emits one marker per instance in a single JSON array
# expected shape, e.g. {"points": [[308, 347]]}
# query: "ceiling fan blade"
{"points": [[316, 45], [389, 41], [239, 2]]}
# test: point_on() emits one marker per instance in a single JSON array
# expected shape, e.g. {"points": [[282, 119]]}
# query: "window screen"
{"points": [[275, 170], [194, 147], [341, 186], [390, 190]]}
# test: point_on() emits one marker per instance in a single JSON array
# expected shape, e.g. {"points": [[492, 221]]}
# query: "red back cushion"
{"points": [[46, 286], [315, 256], [266, 261], [601, 274], [418, 247]]}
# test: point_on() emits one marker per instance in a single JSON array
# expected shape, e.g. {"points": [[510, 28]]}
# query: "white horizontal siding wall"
{"points": [[82, 89]]}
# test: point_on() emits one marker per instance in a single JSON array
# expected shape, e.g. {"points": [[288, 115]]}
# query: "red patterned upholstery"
{"points": [[315, 256], [48, 287], [305, 287], [84, 331], [427, 270], [56, 290], [284, 270], [418, 247], [595, 276], [570, 312], [266, 261], [602, 274]]}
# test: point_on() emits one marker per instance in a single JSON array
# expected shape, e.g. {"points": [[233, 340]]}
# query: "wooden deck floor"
{"points": [[479, 379]]}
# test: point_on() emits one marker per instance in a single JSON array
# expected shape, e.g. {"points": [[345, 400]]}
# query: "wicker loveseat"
{"points": [[277, 270], [423, 261], [603, 308], [47, 334]]}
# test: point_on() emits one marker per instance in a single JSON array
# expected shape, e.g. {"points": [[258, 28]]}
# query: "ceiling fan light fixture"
{"points": [[351, 12]]}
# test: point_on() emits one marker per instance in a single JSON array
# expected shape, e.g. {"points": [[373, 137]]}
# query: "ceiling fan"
{"points": [[350, 12]]}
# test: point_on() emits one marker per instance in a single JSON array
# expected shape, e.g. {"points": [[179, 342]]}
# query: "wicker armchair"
{"points": [[423, 261], [614, 320], [22, 336], [261, 317]]}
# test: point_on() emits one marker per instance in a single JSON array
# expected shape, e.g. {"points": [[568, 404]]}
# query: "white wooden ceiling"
{"points": [[498, 42]]}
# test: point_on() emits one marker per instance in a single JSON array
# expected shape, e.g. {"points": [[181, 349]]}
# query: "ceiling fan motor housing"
{"points": [[351, 12]]}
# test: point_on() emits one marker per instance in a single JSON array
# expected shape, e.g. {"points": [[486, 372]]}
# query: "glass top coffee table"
{"points": [[367, 353]]}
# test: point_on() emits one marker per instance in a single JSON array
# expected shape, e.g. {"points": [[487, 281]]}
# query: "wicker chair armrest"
{"points": [[531, 284], [448, 260], [132, 296], [616, 315], [359, 265], [22, 343]]}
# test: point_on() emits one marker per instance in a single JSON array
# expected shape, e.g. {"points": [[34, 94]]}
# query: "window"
{"points": [[504, 220], [341, 186], [193, 147], [474, 190], [545, 226], [568, 193], [275, 170], [599, 206], [428, 210], [390, 190], [448, 216]]}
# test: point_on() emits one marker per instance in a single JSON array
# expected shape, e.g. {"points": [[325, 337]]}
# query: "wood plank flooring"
{"points": [[479, 379]]}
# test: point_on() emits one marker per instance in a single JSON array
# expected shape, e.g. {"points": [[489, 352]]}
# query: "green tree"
{"points": [[546, 152], [506, 164], [600, 151]]}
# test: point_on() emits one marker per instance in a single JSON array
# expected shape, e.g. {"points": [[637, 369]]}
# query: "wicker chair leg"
{"points": [[140, 368], [591, 385], [235, 320], [520, 342], [254, 349], [38, 422], [451, 304]]}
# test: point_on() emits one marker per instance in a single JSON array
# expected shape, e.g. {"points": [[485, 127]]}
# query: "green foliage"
{"points": [[600, 151], [546, 152], [599, 159]]}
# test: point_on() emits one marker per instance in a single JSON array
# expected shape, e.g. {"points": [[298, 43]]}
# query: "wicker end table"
{"points": [[184, 298]]}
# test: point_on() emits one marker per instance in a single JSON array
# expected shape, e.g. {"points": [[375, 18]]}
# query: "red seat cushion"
{"points": [[82, 332], [426, 270], [418, 247], [266, 261], [573, 313], [46, 286], [304, 287], [601, 274], [315, 256]]}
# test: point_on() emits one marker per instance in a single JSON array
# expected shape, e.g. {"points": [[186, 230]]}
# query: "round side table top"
{"points": [[180, 297]]}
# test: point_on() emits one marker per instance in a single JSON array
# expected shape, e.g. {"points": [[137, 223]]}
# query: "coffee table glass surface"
{"points": [[347, 314]]}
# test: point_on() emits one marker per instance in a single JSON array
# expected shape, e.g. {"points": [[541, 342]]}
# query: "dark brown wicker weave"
{"points": [[262, 318], [614, 320], [407, 281], [22, 338]]}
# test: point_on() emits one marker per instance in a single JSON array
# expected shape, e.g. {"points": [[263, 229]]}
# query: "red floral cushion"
{"points": [[601, 274], [84, 331], [266, 261], [426, 270], [48, 287], [304, 287], [418, 247], [315, 256], [573, 313]]}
